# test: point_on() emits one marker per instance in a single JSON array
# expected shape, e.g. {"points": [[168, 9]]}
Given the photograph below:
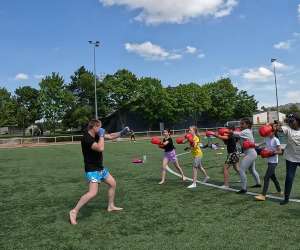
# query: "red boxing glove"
{"points": [[189, 137], [248, 144], [180, 140], [266, 153], [210, 133], [265, 130], [155, 140], [223, 131], [237, 130], [161, 145]]}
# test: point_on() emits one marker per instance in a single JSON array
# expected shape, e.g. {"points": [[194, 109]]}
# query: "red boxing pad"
{"points": [[265, 130], [155, 140], [161, 145], [180, 140], [248, 144], [223, 131], [266, 153], [210, 133]]}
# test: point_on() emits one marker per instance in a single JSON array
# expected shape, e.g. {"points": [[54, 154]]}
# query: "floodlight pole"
{"points": [[273, 60], [95, 44]]}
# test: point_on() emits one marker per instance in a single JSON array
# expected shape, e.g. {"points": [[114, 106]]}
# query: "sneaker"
{"points": [[260, 197], [279, 193], [206, 179], [242, 191], [284, 202], [256, 186], [193, 185]]}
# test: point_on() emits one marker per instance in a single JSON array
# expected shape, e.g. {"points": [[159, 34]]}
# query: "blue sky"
{"points": [[176, 41]]}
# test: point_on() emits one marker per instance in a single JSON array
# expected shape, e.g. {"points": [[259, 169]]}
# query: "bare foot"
{"points": [[161, 182], [73, 216], [114, 209], [184, 178]]}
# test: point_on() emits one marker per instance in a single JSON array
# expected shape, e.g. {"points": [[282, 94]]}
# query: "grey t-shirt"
{"points": [[292, 150]]}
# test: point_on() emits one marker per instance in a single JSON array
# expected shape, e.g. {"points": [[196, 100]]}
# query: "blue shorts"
{"points": [[97, 176]]}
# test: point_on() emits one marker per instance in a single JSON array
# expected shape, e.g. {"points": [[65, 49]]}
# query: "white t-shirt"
{"points": [[292, 150], [272, 144]]}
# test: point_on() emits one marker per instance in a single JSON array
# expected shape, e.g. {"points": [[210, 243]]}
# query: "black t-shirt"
{"points": [[231, 144], [170, 146], [93, 160]]}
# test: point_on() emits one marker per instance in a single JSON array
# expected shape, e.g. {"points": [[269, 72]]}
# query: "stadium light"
{"points": [[273, 61], [95, 44]]}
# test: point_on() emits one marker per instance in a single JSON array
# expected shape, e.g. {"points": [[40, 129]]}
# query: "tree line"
{"points": [[71, 104]]}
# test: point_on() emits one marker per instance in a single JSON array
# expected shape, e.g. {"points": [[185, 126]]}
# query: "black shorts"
{"points": [[232, 158]]}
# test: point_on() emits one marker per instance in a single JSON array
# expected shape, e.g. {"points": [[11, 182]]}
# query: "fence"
{"points": [[19, 141]]}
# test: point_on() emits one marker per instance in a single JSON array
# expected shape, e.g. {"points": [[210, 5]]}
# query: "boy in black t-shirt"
{"points": [[92, 145], [232, 154]]}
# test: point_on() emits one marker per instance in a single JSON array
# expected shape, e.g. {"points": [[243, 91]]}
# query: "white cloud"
{"points": [[281, 66], [260, 74], [293, 96], [39, 76], [21, 76], [175, 11], [151, 51], [296, 34], [191, 50], [201, 55], [283, 45]]}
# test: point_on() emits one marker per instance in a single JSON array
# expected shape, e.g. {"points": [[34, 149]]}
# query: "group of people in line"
{"points": [[92, 145], [250, 150]]}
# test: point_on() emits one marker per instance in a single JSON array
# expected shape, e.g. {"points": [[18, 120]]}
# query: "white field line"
{"points": [[227, 189]]}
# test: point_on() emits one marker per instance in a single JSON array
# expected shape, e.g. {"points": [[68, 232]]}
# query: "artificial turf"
{"points": [[38, 187]]}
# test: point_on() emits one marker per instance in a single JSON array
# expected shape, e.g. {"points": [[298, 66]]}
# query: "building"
{"points": [[267, 117]]}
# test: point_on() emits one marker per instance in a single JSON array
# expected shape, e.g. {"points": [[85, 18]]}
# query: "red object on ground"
{"points": [[248, 144], [180, 140], [155, 140], [137, 161], [265, 130]]}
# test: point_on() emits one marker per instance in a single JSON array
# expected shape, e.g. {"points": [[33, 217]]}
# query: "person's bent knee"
{"points": [[92, 194]]}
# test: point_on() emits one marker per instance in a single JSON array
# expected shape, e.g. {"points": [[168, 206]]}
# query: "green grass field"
{"points": [[38, 187]]}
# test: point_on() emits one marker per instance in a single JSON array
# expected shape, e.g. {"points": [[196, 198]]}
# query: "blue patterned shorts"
{"points": [[97, 176]]}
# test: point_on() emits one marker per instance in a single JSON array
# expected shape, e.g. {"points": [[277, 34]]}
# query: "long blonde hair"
{"points": [[195, 129]]}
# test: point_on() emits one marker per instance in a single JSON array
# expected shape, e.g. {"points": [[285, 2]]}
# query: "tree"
{"points": [[290, 110], [244, 105], [223, 97], [153, 102], [83, 89], [7, 109], [54, 100], [28, 110], [190, 100], [122, 90]]}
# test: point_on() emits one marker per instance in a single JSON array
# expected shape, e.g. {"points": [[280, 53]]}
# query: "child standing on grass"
{"points": [[194, 140], [273, 145], [232, 155], [169, 156], [291, 152], [248, 161]]}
